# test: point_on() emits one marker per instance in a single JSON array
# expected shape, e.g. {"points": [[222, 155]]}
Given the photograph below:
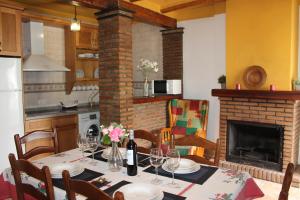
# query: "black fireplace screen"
{"points": [[255, 144]]}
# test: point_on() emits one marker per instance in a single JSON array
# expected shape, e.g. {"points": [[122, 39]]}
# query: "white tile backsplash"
{"points": [[44, 89]]}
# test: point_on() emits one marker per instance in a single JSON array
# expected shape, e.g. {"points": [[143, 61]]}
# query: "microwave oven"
{"points": [[166, 87]]}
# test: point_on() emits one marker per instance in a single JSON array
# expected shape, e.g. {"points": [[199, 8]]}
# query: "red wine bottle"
{"points": [[131, 155]]}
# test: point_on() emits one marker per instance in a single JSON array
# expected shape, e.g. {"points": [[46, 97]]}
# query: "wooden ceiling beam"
{"points": [[139, 13], [189, 4], [149, 16]]}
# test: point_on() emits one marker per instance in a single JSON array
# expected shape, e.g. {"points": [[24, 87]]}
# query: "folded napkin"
{"points": [[167, 196], [86, 175], [198, 177], [250, 191]]}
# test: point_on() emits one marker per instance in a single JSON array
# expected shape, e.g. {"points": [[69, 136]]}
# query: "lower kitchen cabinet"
{"points": [[66, 127]]}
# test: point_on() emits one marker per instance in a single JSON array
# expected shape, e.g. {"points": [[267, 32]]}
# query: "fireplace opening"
{"points": [[255, 144]]}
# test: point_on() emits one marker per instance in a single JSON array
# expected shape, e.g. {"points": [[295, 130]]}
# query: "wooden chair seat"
{"points": [[43, 175], [35, 136], [86, 189], [287, 180], [209, 148], [145, 135]]}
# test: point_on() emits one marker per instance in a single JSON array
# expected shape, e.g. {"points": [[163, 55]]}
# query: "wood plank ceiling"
{"points": [[178, 9]]}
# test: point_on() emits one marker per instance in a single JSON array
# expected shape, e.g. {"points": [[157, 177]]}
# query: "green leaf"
{"points": [[106, 140]]}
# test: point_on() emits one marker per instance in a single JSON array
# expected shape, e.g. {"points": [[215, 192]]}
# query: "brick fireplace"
{"points": [[263, 120]]}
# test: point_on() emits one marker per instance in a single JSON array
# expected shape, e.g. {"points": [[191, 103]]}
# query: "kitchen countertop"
{"points": [[55, 111], [141, 100]]}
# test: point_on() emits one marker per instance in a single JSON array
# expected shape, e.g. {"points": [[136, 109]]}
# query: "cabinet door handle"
{"points": [[0, 46]]}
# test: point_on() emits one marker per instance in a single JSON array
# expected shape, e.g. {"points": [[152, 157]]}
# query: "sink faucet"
{"points": [[91, 98]]}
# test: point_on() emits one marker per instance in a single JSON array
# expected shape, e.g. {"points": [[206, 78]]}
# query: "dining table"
{"points": [[207, 183]]}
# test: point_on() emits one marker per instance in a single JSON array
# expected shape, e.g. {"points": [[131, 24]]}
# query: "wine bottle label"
{"points": [[130, 157]]}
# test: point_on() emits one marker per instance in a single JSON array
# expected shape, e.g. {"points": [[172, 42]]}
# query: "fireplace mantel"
{"points": [[259, 94]]}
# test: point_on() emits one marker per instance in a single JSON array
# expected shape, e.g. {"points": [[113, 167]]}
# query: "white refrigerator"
{"points": [[11, 107]]}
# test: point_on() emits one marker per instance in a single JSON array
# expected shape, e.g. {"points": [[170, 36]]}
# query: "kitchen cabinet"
{"points": [[87, 38], [82, 57], [66, 127], [10, 31]]}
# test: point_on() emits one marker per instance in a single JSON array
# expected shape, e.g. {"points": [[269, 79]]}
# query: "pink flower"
{"points": [[115, 134]]}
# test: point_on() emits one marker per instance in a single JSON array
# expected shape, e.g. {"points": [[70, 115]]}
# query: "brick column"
{"points": [[116, 71], [172, 53]]}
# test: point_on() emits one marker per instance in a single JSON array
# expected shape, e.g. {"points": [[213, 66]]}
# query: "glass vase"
{"points": [[115, 159], [146, 87]]}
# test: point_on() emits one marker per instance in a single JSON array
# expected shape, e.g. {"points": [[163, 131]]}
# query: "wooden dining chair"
{"points": [[210, 148], [287, 180], [86, 189], [22, 188], [142, 136], [35, 136]]}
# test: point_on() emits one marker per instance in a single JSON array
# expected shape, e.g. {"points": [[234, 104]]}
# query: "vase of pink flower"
{"points": [[114, 134]]}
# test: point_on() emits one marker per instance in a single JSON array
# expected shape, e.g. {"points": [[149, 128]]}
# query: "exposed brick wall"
{"points": [[116, 71], [281, 112], [173, 53], [150, 116]]}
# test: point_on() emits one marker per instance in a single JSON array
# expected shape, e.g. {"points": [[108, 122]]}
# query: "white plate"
{"points": [[57, 169], [107, 151], [186, 164], [138, 191], [185, 167]]}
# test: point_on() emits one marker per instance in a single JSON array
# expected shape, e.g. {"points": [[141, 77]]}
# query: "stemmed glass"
{"points": [[172, 163], [156, 159], [93, 144], [82, 144]]}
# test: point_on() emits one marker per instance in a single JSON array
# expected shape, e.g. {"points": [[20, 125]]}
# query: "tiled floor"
{"points": [[271, 190]]}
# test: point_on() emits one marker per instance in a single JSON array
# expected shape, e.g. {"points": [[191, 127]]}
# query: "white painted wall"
{"points": [[203, 63]]}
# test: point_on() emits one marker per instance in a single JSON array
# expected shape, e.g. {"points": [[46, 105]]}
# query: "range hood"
{"points": [[35, 59]]}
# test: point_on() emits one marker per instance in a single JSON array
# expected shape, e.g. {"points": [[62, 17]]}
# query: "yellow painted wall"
{"points": [[264, 33]]}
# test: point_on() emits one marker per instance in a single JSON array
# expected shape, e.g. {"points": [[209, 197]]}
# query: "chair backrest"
{"points": [[287, 180], [151, 137], [188, 117], [36, 135], [22, 188], [208, 146], [86, 189]]}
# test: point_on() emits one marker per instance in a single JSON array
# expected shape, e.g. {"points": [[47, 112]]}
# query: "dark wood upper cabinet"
{"points": [[10, 32]]}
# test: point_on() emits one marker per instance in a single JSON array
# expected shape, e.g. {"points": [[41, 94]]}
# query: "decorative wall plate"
{"points": [[254, 77]]}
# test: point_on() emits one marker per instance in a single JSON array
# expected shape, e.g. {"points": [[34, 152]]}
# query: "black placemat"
{"points": [[143, 160], [167, 196], [86, 175], [198, 177], [110, 191], [98, 149]]}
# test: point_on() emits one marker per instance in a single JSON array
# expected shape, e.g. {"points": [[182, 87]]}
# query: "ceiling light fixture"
{"points": [[75, 23]]}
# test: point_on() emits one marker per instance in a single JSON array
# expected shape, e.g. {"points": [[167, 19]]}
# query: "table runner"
{"points": [[198, 177]]}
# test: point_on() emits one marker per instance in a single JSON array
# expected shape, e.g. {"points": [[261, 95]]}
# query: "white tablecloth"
{"points": [[224, 184]]}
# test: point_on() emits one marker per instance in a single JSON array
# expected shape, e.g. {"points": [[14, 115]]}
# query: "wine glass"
{"points": [[172, 163], [81, 142], [156, 159], [93, 144]]}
